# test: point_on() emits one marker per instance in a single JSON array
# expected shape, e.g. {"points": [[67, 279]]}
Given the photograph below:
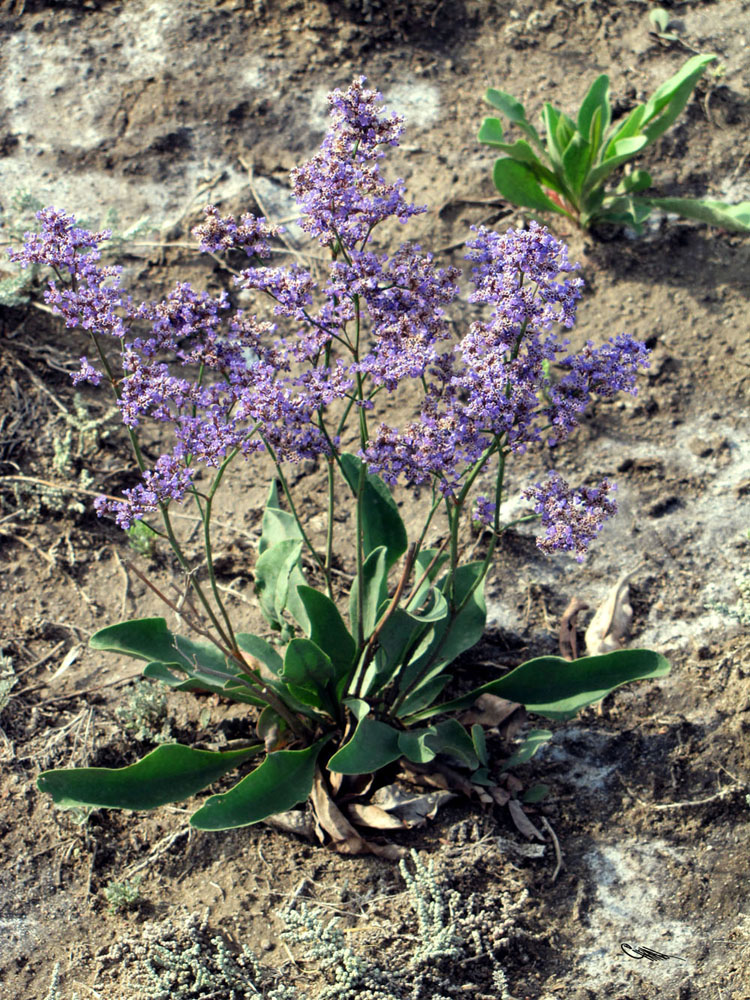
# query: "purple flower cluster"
{"points": [[571, 517], [228, 381], [340, 191]]}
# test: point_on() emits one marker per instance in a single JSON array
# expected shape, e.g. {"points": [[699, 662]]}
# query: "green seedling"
{"points": [[565, 171]]}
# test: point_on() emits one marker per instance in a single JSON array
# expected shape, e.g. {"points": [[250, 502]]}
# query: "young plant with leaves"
{"points": [[341, 687], [565, 171]]}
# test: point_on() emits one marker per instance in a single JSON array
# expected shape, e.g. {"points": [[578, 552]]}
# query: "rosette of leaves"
{"points": [[342, 699], [565, 170]]}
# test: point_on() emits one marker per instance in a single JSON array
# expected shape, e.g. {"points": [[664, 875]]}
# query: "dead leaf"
{"points": [[609, 627], [70, 657], [373, 816], [298, 821], [522, 821], [344, 837], [489, 710], [566, 633], [500, 795], [412, 810]]}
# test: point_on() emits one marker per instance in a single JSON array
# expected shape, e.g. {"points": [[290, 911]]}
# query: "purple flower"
{"points": [[571, 517], [250, 234], [169, 480], [340, 191], [86, 373], [484, 510]]}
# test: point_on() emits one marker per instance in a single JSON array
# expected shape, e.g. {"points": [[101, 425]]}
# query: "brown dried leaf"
{"points": [[499, 795], [345, 838], [566, 633], [522, 821], [609, 627], [412, 810], [375, 817], [489, 710], [297, 821]]}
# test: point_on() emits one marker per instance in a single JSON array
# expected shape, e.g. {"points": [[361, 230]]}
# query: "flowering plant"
{"points": [[340, 693], [566, 173]]}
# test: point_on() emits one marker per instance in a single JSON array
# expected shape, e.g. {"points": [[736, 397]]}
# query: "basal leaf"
{"points": [[596, 102], [309, 674], [451, 738], [278, 525], [327, 629], [517, 184], [272, 578], [558, 688], [534, 739], [170, 773], [576, 162], [373, 745], [261, 650], [735, 218], [491, 132], [282, 781], [668, 101], [381, 521], [374, 591], [514, 112]]}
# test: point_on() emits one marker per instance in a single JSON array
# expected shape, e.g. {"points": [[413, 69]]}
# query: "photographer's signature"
{"points": [[638, 951]]}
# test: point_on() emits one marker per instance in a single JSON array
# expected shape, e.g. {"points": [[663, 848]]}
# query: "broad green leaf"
{"points": [[373, 582], [272, 578], [595, 112], [453, 637], [327, 629], [491, 132], [261, 650], [451, 738], [381, 521], [358, 707], [625, 210], [535, 794], [278, 525], [413, 745], [551, 118], [629, 127], [558, 688], [309, 674], [230, 687], [668, 101], [714, 213], [639, 180], [479, 740], [421, 563], [200, 665], [425, 693], [282, 781], [576, 161], [150, 639], [659, 18], [514, 112], [533, 740], [170, 773], [622, 151], [517, 184], [373, 745], [522, 152]]}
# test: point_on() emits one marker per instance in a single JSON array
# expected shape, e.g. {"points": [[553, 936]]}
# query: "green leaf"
{"points": [[422, 561], [667, 102], [453, 637], [595, 112], [659, 18], [309, 674], [576, 161], [514, 112], [373, 582], [622, 151], [327, 629], [170, 773], [523, 153], [261, 650], [425, 693], [735, 218], [535, 794], [381, 521], [558, 688], [480, 743], [451, 738], [491, 132], [282, 781], [413, 745], [639, 180], [204, 665], [534, 739], [272, 578], [278, 525], [373, 745], [517, 184]]}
